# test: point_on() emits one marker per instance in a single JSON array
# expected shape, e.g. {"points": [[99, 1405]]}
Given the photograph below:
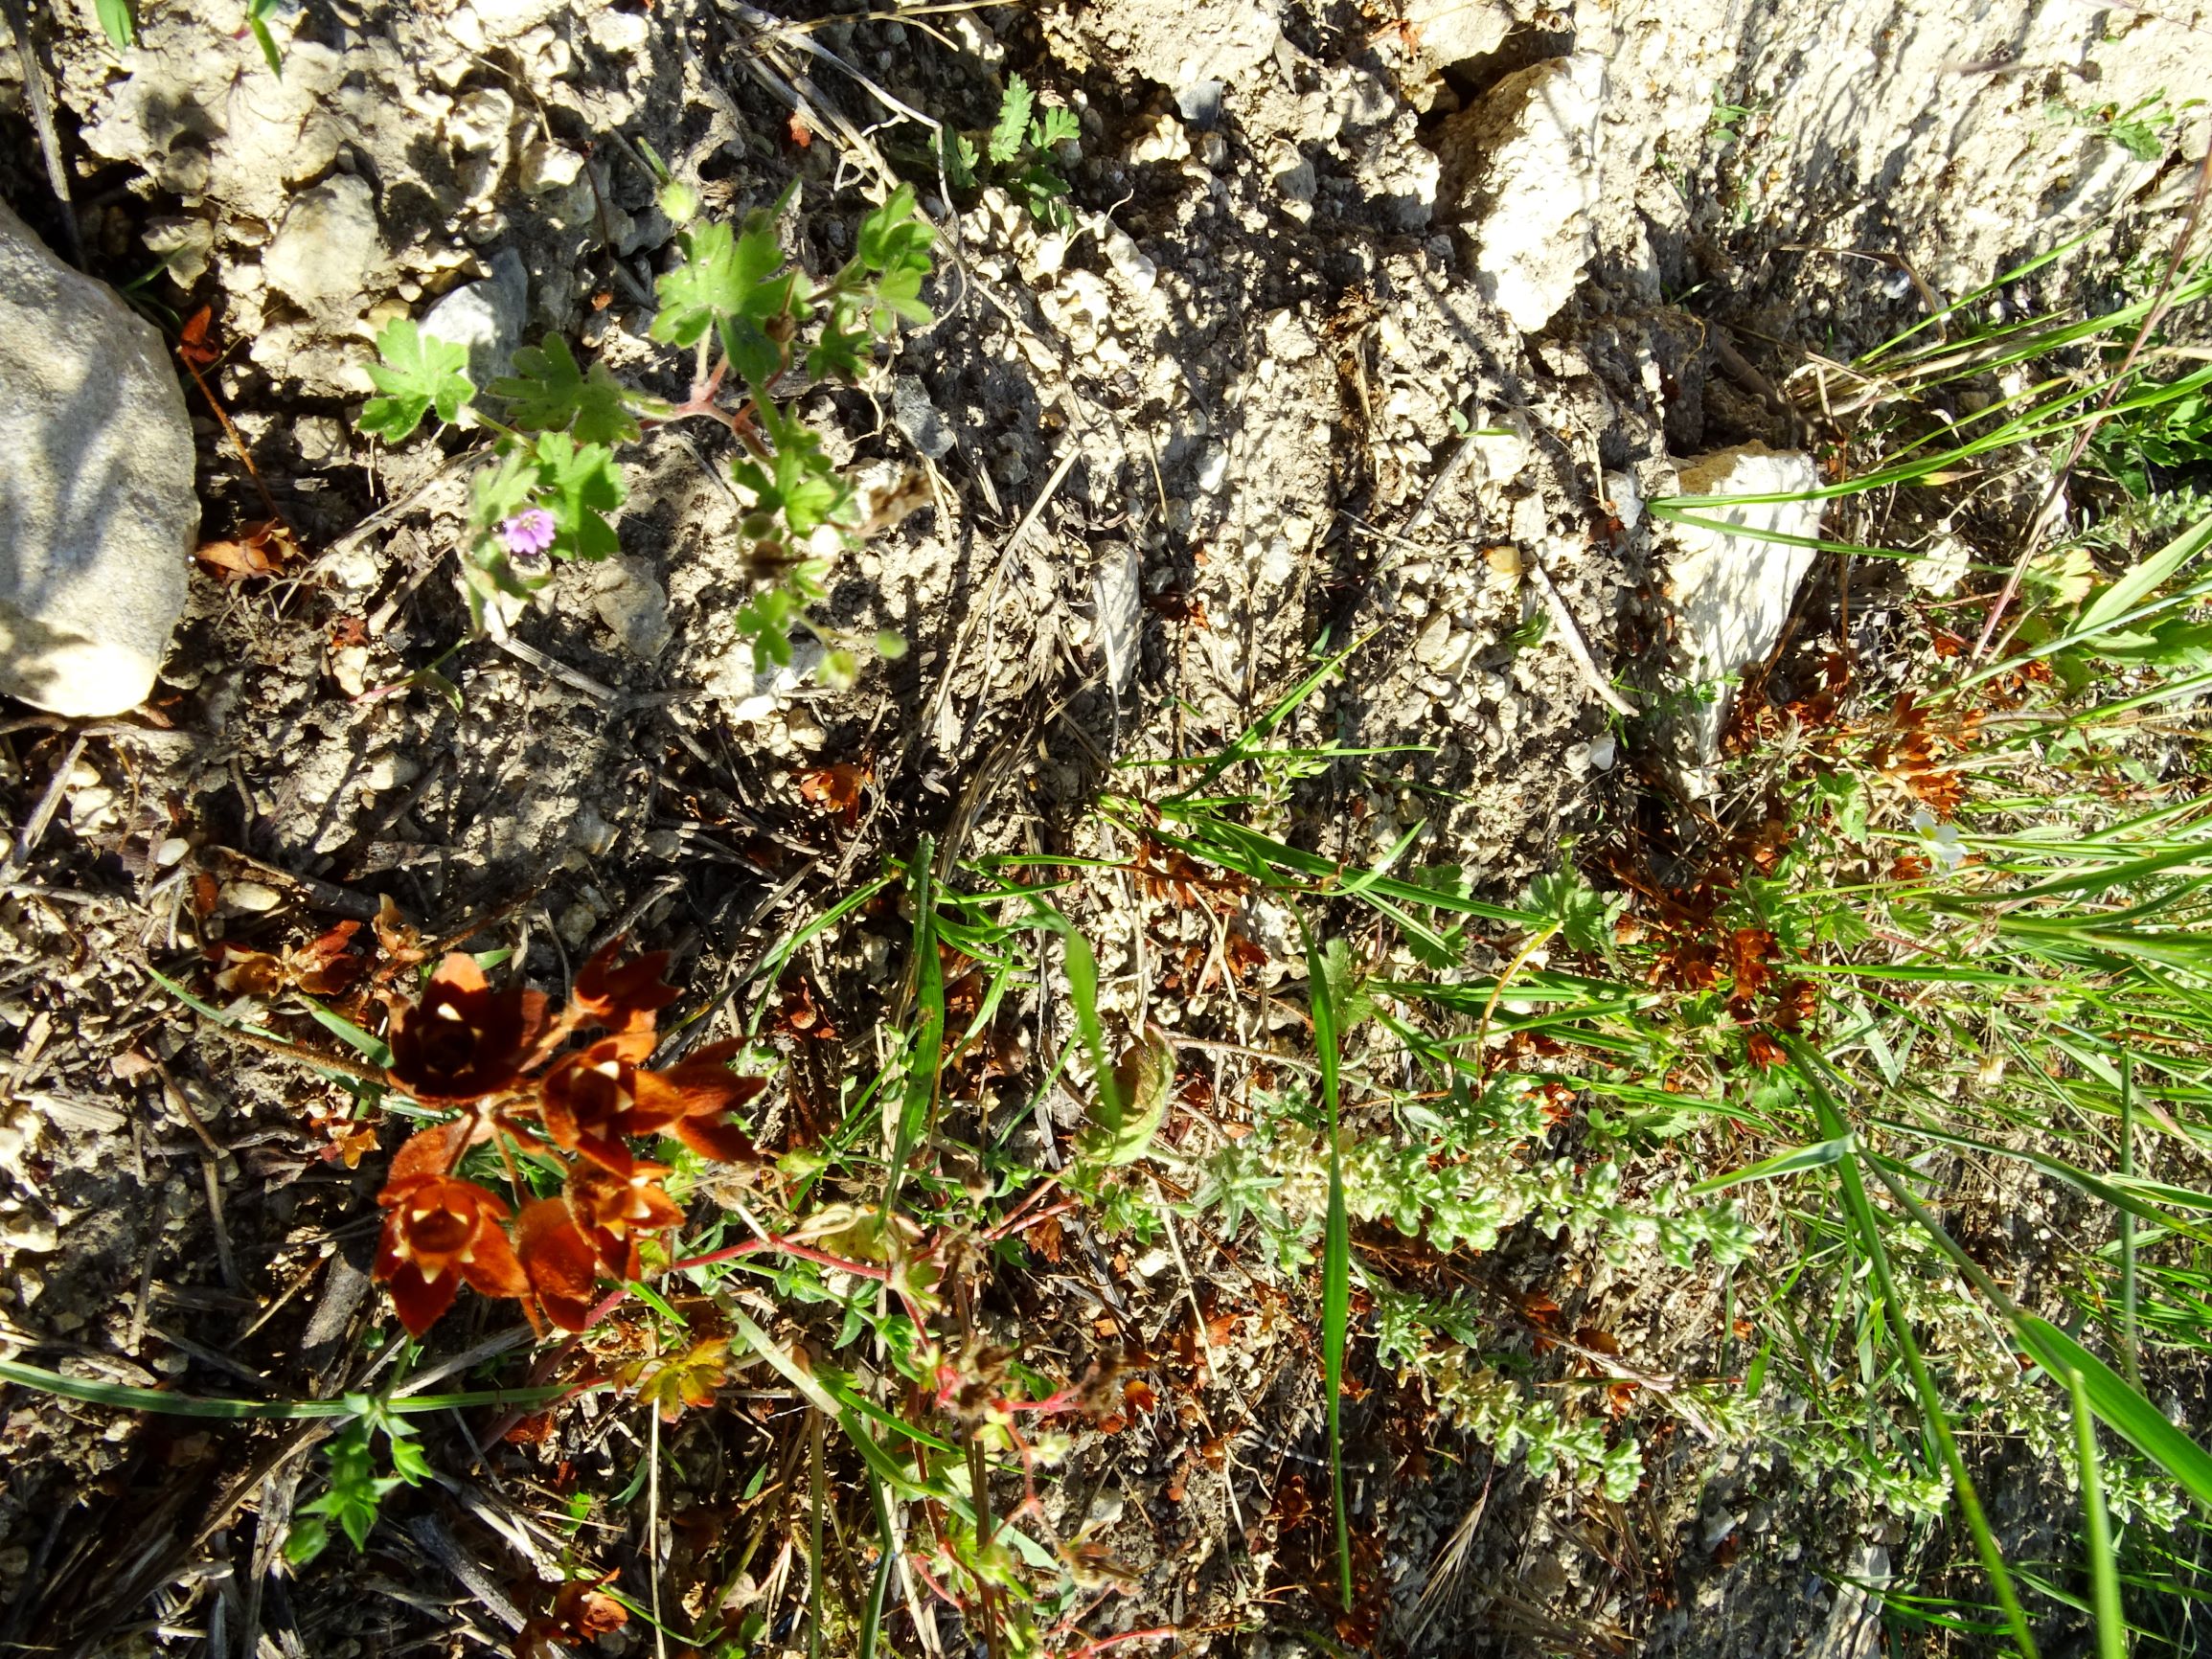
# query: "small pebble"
{"points": [[251, 897]]}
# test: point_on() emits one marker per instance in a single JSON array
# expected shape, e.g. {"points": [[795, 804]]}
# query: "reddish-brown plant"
{"points": [[581, 1613], [495, 1055], [562, 1268], [621, 998], [616, 1210], [588, 1103], [323, 966]]}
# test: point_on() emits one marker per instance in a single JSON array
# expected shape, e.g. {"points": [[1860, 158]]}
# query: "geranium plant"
{"points": [[756, 324], [496, 1057]]}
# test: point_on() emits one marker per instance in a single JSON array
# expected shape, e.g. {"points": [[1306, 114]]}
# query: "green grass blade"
{"points": [[1265, 860], [2091, 882], [1335, 1260], [809, 1386], [1249, 740], [1868, 1226], [1817, 1156], [206, 1010], [2145, 577], [2121, 1198], [257, 19], [2122, 1408], [926, 1056], [1081, 969], [817, 1501], [772, 966], [2131, 1342], [209, 1012], [2104, 1574], [117, 21], [658, 1302], [917, 1483], [372, 1049], [127, 1398], [1996, 284], [872, 1615]]}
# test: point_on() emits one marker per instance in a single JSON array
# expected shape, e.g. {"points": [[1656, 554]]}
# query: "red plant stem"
{"points": [[750, 1247], [1042, 1188], [1030, 1499], [1006, 1230], [1014, 1222], [790, 1247], [1052, 1406], [935, 1588], [701, 401], [1159, 1632]]}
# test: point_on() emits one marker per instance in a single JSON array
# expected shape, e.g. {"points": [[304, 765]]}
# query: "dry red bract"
{"points": [[616, 1210], [440, 1230], [464, 1041], [624, 997], [581, 1613], [589, 1102]]}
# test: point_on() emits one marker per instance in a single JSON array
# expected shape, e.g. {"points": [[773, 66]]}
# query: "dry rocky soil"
{"points": [[1361, 322]]}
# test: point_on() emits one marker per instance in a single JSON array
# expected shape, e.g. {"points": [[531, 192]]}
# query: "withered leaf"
{"points": [[837, 790], [259, 549], [686, 1379]]}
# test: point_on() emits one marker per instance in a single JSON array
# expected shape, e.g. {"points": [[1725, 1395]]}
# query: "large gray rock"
{"points": [[1732, 589], [98, 518], [1449, 32], [486, 318], [1520, 171]]}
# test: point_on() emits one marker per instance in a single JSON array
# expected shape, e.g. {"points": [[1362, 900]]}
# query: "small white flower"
{"points": [[1942, 839]]}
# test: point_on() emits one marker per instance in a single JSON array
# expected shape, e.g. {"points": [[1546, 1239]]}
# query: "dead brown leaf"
{"points": [[261, 548], [837, 790]]}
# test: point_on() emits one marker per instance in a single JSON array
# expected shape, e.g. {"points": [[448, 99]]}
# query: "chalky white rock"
{"points": [[97, 517]]}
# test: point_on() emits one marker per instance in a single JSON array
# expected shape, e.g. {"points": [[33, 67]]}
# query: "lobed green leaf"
{"points": [[418, 375], [580, 484], [1013, 123], [724, 275], [549, 393]]}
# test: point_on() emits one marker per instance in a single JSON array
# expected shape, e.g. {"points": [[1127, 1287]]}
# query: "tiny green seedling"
{"points": [[257, 15], [1725, 122], [119, 22], [357, 1492], [2142, 129], [1017, 152]]}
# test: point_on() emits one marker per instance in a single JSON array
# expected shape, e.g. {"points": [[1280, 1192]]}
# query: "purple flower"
{"points": [[528, 533]]}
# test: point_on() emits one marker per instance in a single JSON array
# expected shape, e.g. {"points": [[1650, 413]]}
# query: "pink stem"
{"points": [[1014, 1223], [750, 1247], [1102, 1643]]}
